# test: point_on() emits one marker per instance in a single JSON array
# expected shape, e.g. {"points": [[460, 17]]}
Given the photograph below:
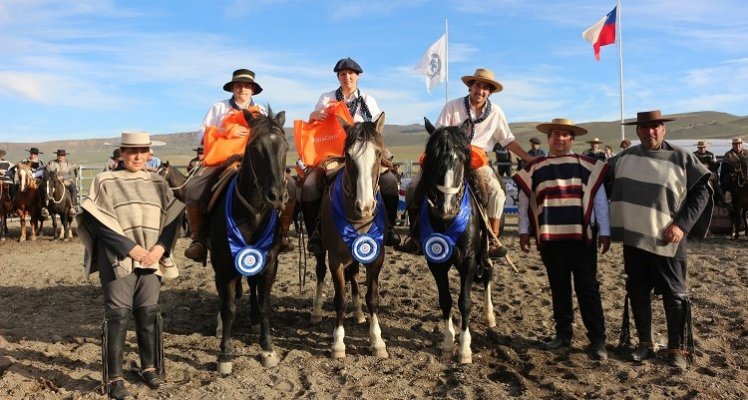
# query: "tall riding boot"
{"points": [[495, 248], [148, 325], [390, 206], [641, 308], [197, 250], [310, 209], [675, 315], [113, 333], [413, 244], [286, 217]]}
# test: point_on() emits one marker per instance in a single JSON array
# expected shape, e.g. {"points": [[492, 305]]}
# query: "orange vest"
{"points": [[221, 142], [318, 140], [478, 158]]}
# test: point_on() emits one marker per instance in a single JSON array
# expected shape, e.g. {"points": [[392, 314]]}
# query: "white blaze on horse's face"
{"points": [[450, 188], [364, 156]]}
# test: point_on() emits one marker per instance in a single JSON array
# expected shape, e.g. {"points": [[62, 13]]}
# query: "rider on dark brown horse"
{"points": [[69, 173]]}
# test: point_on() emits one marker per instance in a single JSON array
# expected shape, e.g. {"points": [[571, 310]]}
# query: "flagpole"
{"points": [[446, 61], [620, 66]]}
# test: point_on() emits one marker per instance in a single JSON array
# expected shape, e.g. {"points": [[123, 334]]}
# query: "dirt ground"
{"points": [[50, 336]]}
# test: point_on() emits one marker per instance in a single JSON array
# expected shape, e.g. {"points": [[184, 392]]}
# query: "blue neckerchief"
{"points": [[249, 260], [355, 241], [438, 246]]}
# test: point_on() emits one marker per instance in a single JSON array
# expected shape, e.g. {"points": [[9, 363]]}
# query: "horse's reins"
{"points": [[52, 195], [187, 178]]}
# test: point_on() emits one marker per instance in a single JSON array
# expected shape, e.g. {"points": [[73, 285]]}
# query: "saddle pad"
{"points": [[223, 180]]}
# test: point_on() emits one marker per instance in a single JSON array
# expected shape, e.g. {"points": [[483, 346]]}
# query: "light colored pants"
{"points": [[496, 196]]}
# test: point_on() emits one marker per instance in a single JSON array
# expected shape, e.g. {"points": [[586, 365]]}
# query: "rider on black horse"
{"points": [[68, 172]]}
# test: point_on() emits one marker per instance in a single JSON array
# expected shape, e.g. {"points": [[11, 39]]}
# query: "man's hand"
{"points": [[673, 234], [318, 115], [603, 242], [524, 242]]}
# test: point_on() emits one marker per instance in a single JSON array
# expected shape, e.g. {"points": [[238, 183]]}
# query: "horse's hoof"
{"points": [[468, 359], [381, 352], [268, 359], [316, 319], [491, 321], [340, 353], [360, 318], [225, 368], [33, 239]]}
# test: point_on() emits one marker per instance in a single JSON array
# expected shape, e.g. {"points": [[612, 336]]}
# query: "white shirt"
{"points": [[326, 98], [600, 212], [215, 115], [493, 129]]}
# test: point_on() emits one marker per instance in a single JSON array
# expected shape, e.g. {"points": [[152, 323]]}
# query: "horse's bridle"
{"points": [[52, 194]]}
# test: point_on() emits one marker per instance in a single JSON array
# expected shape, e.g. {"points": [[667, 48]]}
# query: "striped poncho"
{"points": [[561, 191], [137, 205], [649, 191]]}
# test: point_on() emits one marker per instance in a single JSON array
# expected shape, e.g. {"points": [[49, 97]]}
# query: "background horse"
{"points": [[736, 181], [6, 208], [360, 210], [176, 180], [27, 201], [60, 203], [257, 198], [450, 211]]}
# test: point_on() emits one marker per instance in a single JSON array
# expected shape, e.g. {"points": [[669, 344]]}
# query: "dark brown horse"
{"points": [[6, 208], [244, 234], [60, 204], [736, 181], [27, 201], [177, 182], [451, 233], [352, 225]]}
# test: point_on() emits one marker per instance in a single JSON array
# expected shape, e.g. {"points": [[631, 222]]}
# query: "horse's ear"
{"points": [[429, 126], [379, 123], [280, 119], [466, 126], [247, 115], [343, 123]]}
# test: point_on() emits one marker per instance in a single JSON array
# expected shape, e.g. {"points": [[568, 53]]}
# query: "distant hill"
{"points": [[405, 141]]}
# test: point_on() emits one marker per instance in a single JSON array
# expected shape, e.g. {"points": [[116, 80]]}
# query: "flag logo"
{"points": [[433, 63], [435, 66]]}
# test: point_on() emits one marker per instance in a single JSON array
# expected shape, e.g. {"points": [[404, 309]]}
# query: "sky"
{"points": [[94, 68]]}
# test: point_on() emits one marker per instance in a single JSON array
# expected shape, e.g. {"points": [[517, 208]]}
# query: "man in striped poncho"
{"points": [[561, 198], [658, 193]]}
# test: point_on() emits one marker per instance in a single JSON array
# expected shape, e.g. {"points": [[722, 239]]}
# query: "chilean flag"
{"points": [[602, 33]]}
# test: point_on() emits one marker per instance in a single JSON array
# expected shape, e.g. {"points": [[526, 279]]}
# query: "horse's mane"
{"points": [[365, 132], [440, 148], [262, 125]]}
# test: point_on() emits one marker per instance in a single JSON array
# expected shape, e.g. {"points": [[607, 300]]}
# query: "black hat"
{"points": [[535, 140], [243, 75], [347, 63], [199, 150], [34, 150], [61, 152]]}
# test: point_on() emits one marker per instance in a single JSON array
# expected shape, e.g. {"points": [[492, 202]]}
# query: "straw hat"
{"points": [[701, 144], [138, 139], [595, 140], [646, 117], [737, 140], [243, 75], [483, 75], [562, 124]]}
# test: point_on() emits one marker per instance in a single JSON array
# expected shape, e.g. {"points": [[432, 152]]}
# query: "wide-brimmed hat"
{"points": [[534, 140], [483, 75], [701, 143], [34, 150], [595, 140], [138, 139], [199, 150], [737, 140], [243, 75], [625, 142], [61, 152], [347, 63], [646, 117], [562, 124]]}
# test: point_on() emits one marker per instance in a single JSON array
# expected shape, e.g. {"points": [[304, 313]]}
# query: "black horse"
{"points": [[451, 231], [244, 236], [353, 222], [735, 180]]}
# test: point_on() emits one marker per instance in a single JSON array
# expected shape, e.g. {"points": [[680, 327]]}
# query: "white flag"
{"points": [[433, 64]]}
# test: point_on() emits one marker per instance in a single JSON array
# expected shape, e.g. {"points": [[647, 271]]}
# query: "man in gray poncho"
{"points": [[658, 193]]}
